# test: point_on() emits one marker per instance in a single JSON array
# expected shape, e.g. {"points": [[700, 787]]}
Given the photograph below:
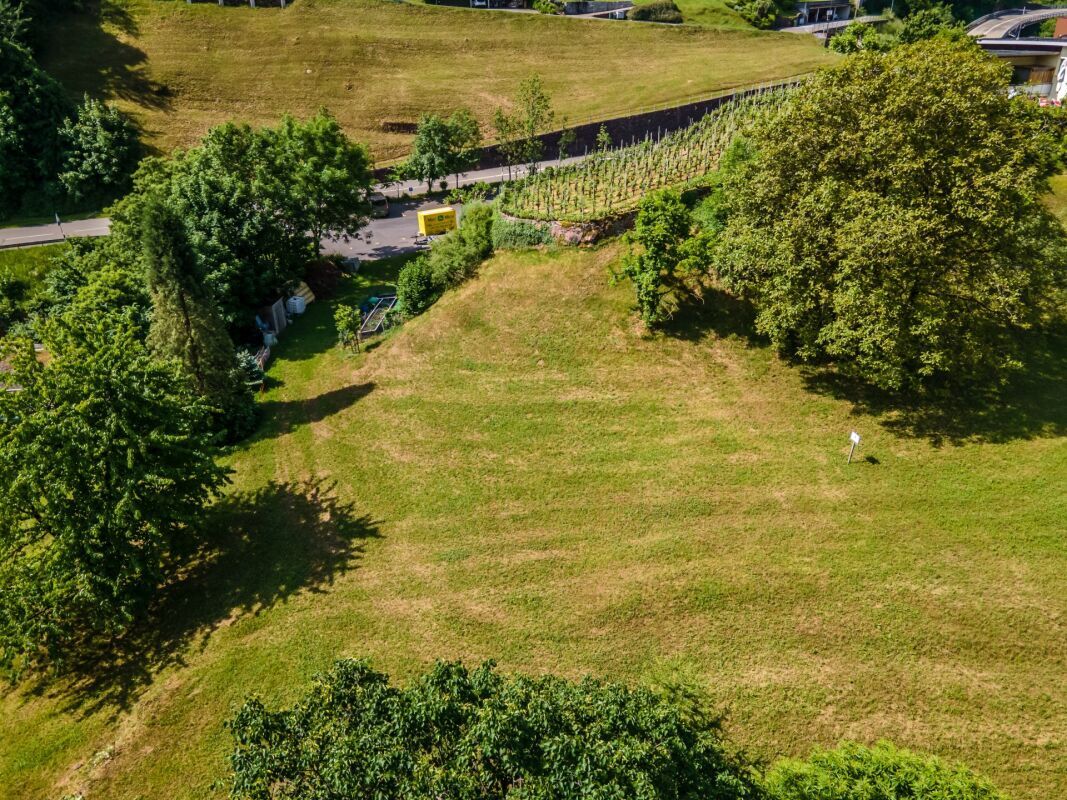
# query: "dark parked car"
{"points": [[379, 205]]}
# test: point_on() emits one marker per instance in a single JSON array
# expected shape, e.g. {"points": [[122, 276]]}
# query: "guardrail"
{"points": [[1005, 12]]}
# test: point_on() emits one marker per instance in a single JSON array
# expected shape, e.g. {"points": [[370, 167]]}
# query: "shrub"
{"points": [[658, 11], [454, 257], [547, 7], [882, 772], [100, 151], [476, 734], [416, 289], [516, 234], [348, 321]]}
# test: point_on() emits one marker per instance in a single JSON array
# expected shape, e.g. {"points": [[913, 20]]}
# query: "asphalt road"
{"points": [[1012, 21], [389, 236], [382, 237]]}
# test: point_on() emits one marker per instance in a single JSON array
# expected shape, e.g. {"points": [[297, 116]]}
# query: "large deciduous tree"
{"points": [[106, 464], [443, 146], [889, 217], [479, 735], [255, 205], [325, 175]]}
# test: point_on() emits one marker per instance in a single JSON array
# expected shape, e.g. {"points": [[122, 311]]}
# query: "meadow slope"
{"points": [[519, 474], [182, 68]]}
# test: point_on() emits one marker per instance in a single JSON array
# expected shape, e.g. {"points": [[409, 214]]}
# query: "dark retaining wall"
{"points": [[623, 130]]}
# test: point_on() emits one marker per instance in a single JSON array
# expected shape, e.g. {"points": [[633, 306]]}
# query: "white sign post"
{"points": [[855, 439]]}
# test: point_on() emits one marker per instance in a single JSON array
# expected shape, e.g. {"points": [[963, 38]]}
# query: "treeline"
{"points": [[764, 13], [108, 441], [51, 152], [886, 219], [481, 735]]}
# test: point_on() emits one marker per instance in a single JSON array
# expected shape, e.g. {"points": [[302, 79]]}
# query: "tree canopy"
{"points": [[443, 147], [255, 205], [889, 217], [478, 734], [106, 464]]}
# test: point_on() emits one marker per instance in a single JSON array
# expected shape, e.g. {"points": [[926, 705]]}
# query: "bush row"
{"points": [[658, 11], [482, 735], [455, 257]]}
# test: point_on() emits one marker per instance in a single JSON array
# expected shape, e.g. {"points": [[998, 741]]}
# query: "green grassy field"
{"points": [[520, 474], [182, 68], [29, 266]]}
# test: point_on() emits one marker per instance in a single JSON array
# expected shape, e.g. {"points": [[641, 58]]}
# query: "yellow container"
{"points": [[433, 221]]}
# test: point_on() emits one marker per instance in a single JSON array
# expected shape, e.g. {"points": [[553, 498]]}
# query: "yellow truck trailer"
{"points": [[434, 221]]}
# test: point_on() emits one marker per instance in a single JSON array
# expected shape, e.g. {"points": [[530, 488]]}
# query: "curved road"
{"points": [[1007, 23]]}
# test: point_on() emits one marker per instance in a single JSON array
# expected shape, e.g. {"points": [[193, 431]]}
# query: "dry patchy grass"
{"points": [[529, 480], [182, 68]]}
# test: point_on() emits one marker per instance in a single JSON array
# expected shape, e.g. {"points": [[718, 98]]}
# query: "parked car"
{"points": [[379, 205]]}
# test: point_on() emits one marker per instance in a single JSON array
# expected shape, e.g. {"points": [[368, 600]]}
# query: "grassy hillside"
{"points": [[182, 68], [519, 474]]}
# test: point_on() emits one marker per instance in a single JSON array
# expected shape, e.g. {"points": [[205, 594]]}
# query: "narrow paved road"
{"points": [[1010, 22], [385, 235]]}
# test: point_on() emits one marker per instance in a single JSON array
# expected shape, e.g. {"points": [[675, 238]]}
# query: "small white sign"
{"points": [[854, 437]]}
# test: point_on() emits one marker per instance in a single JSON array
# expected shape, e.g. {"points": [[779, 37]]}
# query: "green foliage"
{"points": [[567, 138], [474, 193], [454, 257], [255, 205], [100, 150], [32, 107], [882, 772], [112, 290], [322, 177], [348, 320], [106, 464], [761, 13], [548, 7], [925, 23], [186, 326], [858, 36], [517, 133], [603, 140], [915, 241], [615, 182], [510, 234], [656, 11], [662, 225], [443, 147], [478, 735], [24, 278], [416, 289]]}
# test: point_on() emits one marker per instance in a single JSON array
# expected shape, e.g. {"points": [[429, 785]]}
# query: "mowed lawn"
{"points": [[182, 68], [520, 474]]}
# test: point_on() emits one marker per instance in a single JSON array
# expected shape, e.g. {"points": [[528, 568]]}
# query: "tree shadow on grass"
{"points": [[286, 416], [717, 312], [88, 57], [267, 546], [1033, 404]]}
